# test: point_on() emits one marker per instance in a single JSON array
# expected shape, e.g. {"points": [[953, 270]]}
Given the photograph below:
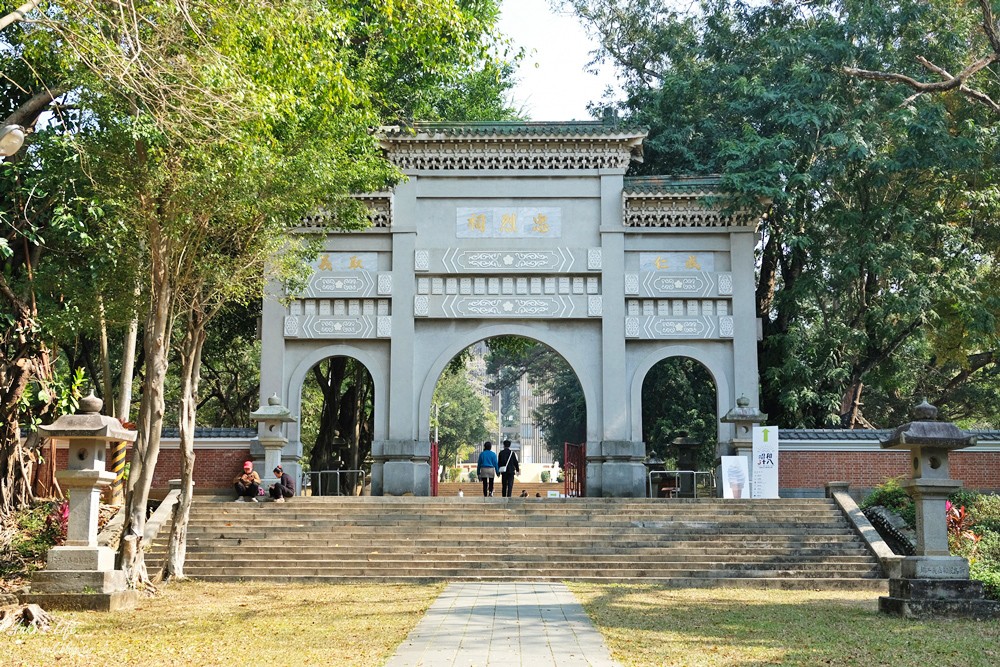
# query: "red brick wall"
{"points": [[812, 470], [214, 469]]}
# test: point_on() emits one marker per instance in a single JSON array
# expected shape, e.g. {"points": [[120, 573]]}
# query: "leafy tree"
{"points": [[461, 417], [967, 81], [207, 130], [877, 264]]}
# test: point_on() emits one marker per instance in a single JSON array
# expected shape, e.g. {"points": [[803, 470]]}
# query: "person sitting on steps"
{"points": [[283, 488], [247, 484]]}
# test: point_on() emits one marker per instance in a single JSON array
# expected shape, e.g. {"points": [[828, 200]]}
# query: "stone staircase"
{"points": [[680, 542]]}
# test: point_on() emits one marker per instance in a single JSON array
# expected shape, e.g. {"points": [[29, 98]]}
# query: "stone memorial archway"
{"points": [[529, 229]]}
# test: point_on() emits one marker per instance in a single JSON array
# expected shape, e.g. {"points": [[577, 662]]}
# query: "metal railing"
{"points": [[330, 483], [682, 483]]}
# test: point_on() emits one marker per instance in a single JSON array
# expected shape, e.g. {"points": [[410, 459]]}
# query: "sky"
{"points": [[552, 81]]}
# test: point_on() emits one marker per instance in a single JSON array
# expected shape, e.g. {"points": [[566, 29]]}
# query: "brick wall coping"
{"points": [[860, 440]]}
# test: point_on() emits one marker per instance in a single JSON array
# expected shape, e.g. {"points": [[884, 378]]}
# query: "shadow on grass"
{"points": [[651, 625]]}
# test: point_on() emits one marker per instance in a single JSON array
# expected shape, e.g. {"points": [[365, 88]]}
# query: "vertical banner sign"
{"points": [[765, 462]]}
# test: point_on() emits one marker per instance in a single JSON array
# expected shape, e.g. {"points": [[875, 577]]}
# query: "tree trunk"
{"points": [[16, 374], [190, 353], [147, 449], [331, 383]]}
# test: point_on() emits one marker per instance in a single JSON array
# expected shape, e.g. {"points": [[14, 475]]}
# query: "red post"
{"points": [[434, 469]]}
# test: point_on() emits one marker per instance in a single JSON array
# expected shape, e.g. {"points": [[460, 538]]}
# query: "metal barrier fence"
{"points": [[330, 482], [682, 484]]}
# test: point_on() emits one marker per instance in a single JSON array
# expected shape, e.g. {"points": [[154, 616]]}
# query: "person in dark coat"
{"points": [[509, 467], [487, 468], [283, 488]]}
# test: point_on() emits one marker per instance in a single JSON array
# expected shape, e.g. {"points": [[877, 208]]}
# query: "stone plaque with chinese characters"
{"points": [[339, 262], [676, 261], [514, 222]]}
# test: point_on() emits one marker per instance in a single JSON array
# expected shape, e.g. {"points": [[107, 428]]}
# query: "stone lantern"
{"points": [[743, 417], [932, 582], [80, 574], [272, 415]]}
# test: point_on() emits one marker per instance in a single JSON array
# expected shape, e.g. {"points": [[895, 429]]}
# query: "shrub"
{"points": [[990, 576], [472, 476], [561, 477], [546, 476], [964, 498], [894, 497], [454, 474], [988, 549], [985, 512], [36, 530]]}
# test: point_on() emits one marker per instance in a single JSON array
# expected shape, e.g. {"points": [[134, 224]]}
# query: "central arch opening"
{"points": [[338, 408], [506, 388], [680, 428]]}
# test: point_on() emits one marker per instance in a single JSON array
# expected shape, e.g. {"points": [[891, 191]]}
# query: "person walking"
{"points": [[487, 468], [508, 469]]}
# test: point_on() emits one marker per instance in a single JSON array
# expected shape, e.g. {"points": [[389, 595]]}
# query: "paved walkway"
{"points": [[503, 624]]}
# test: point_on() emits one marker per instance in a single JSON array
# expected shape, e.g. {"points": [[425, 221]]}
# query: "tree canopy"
{"points": [[877, 269]]}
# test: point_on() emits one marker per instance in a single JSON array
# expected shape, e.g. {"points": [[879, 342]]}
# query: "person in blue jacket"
{"points": [[487, 467]]}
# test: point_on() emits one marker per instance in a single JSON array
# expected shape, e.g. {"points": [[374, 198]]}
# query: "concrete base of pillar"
{"points": [[934, 567], [95, 559], [406, 478], [77, 581], [119, 601], [938, 598], [623, 474]]}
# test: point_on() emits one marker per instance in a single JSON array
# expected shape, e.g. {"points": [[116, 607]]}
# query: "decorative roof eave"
{"points": [[663, 186], [581, 137], [380, 213]]}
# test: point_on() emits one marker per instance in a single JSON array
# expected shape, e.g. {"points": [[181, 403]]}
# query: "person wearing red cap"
{"points": [[247, 484]]}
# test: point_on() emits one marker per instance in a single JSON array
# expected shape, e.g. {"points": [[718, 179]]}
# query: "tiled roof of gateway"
{"points": [[686, 185], [843, 434], [515, 128]]}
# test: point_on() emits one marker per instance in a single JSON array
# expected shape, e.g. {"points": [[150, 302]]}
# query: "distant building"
{"points": [[516, 408]]}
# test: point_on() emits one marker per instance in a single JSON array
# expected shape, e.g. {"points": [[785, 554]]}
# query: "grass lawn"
{"points": [[648, 625], [193, 623]]}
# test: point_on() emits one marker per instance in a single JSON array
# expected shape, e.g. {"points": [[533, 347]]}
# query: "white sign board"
{"points": [[765, 462], [735, 480]]}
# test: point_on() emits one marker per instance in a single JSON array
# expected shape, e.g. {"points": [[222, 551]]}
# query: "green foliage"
{"points": [[985, 513], [679, 400], [877, 269], [892, 496], [545, 476], [472, 476], [989, 574], [454, 474], [964, 498], [37, 529], [461, 416]]}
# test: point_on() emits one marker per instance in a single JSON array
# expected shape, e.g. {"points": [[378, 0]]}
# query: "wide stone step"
{"points": [[458, 570], [218, 552], [377, 561]]}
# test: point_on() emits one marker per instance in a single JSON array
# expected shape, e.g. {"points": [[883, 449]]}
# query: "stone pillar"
{"points": [[617, 469], [402, 463]]}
